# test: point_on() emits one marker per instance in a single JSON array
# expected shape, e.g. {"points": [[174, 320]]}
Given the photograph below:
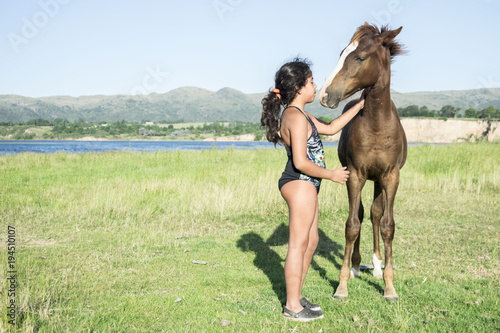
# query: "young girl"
{"points": [[300, 182]]}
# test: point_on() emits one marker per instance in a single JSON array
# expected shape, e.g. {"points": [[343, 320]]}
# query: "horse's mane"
{"points": [[371, 30]]}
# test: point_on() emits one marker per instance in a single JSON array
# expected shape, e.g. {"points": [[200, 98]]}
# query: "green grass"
{"points": [[98, 247]]}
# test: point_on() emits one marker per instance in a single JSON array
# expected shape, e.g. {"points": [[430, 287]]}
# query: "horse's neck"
{"points": [[378, 105]]}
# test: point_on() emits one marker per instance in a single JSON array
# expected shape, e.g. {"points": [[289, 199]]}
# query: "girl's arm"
{"points": [[296, 126], [338, 123]]}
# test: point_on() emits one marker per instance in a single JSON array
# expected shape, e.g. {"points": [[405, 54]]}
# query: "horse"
{"points": [[372, 145]]}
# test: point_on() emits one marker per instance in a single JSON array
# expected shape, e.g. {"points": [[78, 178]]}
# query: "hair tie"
{"points": [[277, 92]]}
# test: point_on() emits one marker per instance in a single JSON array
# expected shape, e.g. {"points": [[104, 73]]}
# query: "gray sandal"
{"points": [[305, 315], [305, 303]]}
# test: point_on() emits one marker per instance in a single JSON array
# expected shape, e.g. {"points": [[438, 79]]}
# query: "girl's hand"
{"points": [[340, 175], [361, 103]]}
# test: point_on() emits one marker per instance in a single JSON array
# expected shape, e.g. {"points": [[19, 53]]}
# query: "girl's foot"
{"points": [[305, 315], [305, 303]]}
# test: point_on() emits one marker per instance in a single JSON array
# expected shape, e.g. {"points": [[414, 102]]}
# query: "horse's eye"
{"points": [[360, 59]]}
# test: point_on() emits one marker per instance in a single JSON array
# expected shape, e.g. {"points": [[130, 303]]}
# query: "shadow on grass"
{"points": [[270, 262], [266, 259], [332, 252]]}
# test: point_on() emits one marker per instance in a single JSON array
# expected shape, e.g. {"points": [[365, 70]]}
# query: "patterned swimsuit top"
{"points": [[315, 150]]}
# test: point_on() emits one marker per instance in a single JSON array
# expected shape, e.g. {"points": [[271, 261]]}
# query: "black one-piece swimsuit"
{"points": [[315, 153]]}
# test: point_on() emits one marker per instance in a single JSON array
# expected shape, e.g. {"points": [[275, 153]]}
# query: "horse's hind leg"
{"points": [[376, 212], [356, 256]]}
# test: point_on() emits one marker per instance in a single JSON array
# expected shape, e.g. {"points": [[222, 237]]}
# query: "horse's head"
{"points": [[362, 63]]}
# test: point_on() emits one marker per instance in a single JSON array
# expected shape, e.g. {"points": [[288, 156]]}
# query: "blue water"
{"points": [[33, 146]]}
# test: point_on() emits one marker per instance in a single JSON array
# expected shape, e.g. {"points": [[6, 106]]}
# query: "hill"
{"points": [[197, 104], [478, 99]]}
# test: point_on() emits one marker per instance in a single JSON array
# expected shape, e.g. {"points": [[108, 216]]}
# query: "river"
{"points": [[53, 146]]}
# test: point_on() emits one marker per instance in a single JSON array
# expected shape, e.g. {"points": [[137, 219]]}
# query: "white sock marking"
{"points": [[377, 267], [355, 273]]}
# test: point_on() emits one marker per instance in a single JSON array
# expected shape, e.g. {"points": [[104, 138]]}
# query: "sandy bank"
{"points": [[449, 131], [244, 137], [89, 138], [424, 131]]}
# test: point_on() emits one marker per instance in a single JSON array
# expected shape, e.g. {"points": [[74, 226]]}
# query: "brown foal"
{"points": [[373, 145]]}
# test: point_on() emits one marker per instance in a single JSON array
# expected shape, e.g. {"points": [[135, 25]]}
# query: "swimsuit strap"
{"points": [[307, 117], [293, 106]]}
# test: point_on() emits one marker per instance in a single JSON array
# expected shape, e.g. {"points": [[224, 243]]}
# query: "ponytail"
{"points": [[271, 107]]}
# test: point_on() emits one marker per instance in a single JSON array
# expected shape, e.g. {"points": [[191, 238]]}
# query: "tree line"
{"points": [[66, 129], [449, 111]]}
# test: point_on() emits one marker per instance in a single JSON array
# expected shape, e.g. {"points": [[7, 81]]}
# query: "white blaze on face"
{"points": [[337, 69]]}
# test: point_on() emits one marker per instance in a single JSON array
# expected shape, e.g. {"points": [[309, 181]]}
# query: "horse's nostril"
{"points": [[324, 99]]}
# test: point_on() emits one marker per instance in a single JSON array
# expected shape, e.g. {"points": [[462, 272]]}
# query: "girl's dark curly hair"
{"points": [[289, 79]]}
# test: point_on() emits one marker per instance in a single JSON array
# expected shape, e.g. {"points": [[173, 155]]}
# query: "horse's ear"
{"points": [[387, 39], [389, 35]]}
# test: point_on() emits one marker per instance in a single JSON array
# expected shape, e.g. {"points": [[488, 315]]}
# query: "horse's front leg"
{"points": [[352, 229], [387, 227]]}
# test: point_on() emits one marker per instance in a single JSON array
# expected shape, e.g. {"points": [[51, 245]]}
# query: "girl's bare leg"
{"points": [[301, 197], [311, 245]]}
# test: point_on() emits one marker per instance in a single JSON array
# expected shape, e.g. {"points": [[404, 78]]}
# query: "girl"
{"points": [[300, 182]]}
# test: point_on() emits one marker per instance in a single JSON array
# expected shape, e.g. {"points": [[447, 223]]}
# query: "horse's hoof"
{"points": [[355, 273], [392, 298], [390, 294], [340, 293], [341, 297]]}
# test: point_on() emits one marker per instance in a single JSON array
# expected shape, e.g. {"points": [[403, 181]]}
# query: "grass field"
{"points": [[106, 243]]}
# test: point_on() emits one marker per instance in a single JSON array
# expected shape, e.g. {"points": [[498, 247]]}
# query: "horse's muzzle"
{"points": [[329, 101]]}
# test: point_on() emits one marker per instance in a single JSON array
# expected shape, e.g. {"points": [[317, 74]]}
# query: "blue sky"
{"points": [[71, 47]]}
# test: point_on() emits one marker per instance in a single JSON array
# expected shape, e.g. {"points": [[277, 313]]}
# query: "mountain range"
{"points": [[192, 104]]}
